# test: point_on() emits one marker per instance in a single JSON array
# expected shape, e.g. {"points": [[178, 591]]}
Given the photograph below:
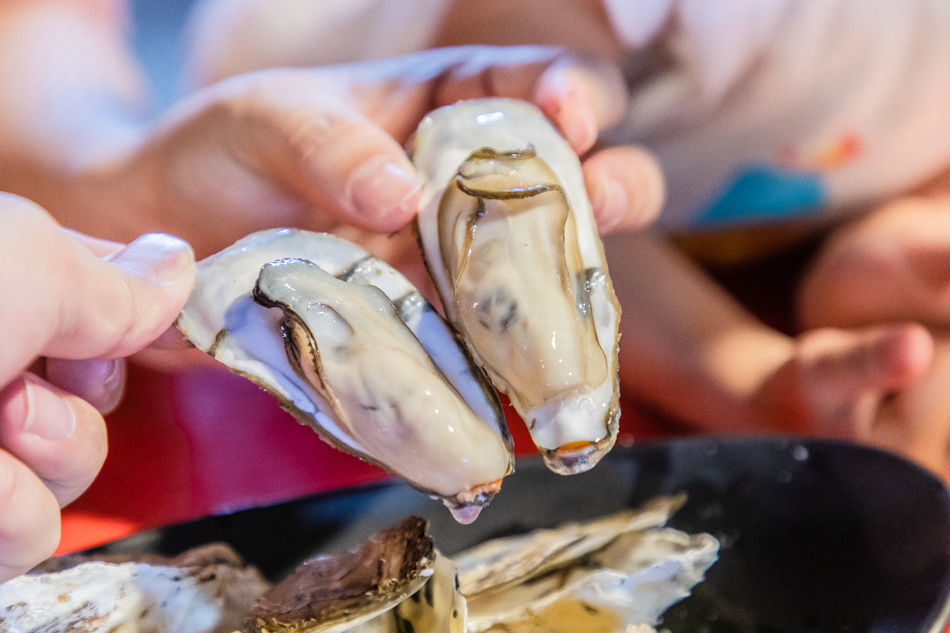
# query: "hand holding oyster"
{"points": [[348, 346]]}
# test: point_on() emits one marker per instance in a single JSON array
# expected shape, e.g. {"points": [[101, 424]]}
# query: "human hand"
{"points": [[889, 266], [82, 304], [322, 148]]}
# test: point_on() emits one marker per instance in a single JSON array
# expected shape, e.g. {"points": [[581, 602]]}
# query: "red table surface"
{"points": [[192, 443]]}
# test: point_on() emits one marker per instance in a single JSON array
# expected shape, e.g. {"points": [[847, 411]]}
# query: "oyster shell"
{"points": [[206, 590], [510, 240], [439, 607], [604, 575], [348, 346], [396, 581], [612, 575], [340, 592]]}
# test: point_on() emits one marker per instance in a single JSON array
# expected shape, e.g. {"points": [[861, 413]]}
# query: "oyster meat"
{"points": [[509, 238], [348, 346]]}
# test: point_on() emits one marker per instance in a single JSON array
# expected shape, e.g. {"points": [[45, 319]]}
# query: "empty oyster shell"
{"points": [[612, 575], [510, 240], [604, 575], [439, 607], [205, 590], [338, 592], [396, 581], [348, 346]]}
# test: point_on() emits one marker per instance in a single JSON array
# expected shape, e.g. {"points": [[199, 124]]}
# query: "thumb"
{"points": [[64, 302], [334, 157], [121, 303]]}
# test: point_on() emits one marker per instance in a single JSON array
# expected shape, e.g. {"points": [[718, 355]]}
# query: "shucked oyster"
{"points": [[348, 346], [511, 243]]}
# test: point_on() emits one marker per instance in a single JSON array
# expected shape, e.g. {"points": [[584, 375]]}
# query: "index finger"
{"points": [[581, 96], [64, 302]]}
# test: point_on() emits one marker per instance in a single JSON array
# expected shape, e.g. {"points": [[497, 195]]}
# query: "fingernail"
{"points": [[610, 204], [580, 128], [113, 387], [47, 415], [576, 118], [101, 383], [380, 187], [158, 258]]}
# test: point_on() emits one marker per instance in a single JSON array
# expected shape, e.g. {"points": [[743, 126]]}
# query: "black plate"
{"points": [[816, 536]]}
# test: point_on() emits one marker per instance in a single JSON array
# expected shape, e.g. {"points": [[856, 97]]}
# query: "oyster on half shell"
{"points": [[509, 237], [350, 347]]}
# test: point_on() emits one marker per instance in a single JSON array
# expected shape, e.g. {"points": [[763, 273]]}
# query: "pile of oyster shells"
{"points": [[350, 347], [612, 575]]}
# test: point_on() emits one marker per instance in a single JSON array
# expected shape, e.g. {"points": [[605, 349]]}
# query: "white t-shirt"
{"points": [[769, 109]]}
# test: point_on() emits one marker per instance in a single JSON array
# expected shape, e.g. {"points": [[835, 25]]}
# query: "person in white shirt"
{"points": [[773, 120], [316, 148]]}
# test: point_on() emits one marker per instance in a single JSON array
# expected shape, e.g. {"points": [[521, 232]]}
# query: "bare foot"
{"points": [[836, 381]]}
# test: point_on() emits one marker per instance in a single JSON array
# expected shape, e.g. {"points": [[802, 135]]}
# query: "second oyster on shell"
{"points": [[511, 243]]}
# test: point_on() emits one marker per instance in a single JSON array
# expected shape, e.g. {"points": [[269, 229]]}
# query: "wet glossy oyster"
{"points": [[206, 590], [348, 346], [510, 240], [605, 575]]}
